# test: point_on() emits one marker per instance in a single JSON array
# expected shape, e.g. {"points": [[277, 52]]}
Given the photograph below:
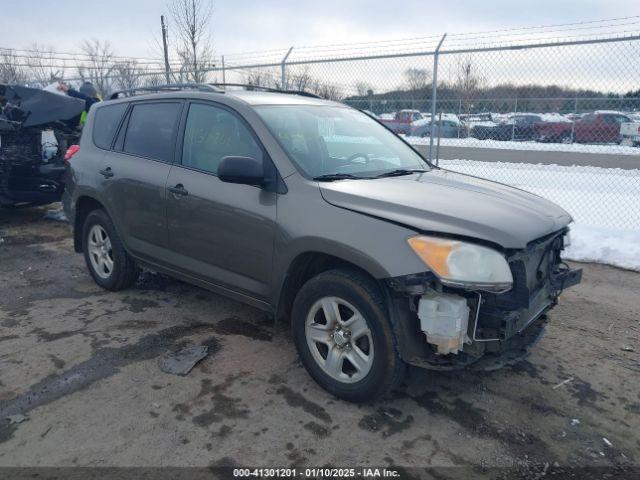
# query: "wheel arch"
{"points": [[85, 204], [305, 266]]}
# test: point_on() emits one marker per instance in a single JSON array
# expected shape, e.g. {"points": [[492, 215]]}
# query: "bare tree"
{"points": [[257, 78], [99, 66], [128, 74], [301, 80], [417, 78], [191, 20], [154, 80], [42, 66], [264, 77], [468, 82], [327, 90], [363, 88], [11, 68]]}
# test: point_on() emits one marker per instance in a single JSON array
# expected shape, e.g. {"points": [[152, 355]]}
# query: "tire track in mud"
{"points": [[105, 362]]}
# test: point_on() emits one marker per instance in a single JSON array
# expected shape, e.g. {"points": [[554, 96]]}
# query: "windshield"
{"points": [[326, 140]]}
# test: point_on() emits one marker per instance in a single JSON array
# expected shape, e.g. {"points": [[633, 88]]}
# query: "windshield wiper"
{"points": [[329, 177], [400, 171]]}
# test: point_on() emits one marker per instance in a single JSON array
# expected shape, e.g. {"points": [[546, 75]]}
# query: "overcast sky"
{"points": [[249, 25]]}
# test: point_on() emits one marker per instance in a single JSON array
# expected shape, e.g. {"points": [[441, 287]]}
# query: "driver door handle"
{"points": [[178, 190]]}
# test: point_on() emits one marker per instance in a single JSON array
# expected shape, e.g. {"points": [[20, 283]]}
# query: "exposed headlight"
{"points": [[462, 264]]}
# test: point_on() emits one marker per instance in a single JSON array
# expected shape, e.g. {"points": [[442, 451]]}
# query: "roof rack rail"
{"points": [[172, 87], [248, 86]]}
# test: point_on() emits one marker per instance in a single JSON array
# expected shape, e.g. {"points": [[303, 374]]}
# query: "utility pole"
{"points": [[166, 50], [224, 76]]}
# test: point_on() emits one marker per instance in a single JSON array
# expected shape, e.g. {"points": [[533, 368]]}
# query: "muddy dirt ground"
{"points": [[82, 365]]}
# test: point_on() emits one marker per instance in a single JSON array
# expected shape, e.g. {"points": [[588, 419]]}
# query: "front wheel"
{"points": [[109, 264], [344, 337]]}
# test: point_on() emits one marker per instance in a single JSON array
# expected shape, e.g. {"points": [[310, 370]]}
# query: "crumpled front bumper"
{"points": [[501, 327], [499, 322]]}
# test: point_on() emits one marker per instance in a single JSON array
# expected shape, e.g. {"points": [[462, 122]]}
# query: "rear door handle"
{"points": [[178, 190], [107, 172]]}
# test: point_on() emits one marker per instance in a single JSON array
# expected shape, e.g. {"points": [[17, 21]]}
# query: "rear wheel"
{"points": [[344, 337], [109, 264]]}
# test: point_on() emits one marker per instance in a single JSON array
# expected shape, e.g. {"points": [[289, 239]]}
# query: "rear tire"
{"points": [[108, 262], [351, 351]]}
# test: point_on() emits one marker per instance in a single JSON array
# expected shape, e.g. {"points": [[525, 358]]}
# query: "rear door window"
{"points": [[106, 123], [151, 130]]}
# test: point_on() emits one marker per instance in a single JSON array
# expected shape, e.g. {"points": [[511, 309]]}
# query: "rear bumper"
{"points": [[30, 183]]}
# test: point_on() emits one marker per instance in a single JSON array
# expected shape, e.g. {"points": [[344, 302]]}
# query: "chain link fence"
{"points": [[521, 107], [522, 104]]}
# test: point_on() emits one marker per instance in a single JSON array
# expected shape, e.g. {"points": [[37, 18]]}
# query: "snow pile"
{"points": [[480, 123], [611, 148], [553, 117], [605, 245], [604, 203]]}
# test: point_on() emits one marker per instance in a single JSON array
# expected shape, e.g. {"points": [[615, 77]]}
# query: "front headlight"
{"points": [[462, 264]]}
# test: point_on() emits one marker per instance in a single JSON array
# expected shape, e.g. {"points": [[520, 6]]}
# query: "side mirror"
{"points": [[242, 170]]}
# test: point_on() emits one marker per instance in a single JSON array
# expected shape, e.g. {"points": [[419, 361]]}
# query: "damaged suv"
{"points": [[318, 214]]}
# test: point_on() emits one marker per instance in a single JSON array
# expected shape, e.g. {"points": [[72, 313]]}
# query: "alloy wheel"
{"points": [[100, 251], [339, 339]]}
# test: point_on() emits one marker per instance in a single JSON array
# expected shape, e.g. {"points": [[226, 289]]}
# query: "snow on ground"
{"points": [[605, 245], [537, 146], [546, 117], [553, 117], [604, 203]]}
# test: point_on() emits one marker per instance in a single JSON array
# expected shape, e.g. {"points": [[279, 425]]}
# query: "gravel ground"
{"points": [[82, 365]]}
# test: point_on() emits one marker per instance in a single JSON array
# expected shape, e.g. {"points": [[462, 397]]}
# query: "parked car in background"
{"points": [[599, 127], [317, 214], [630, 134], [596, 127], [401, 122], [448, 126], [517, 127]]}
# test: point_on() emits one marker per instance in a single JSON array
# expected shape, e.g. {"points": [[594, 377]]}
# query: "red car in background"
{"points": [[402, 121], [597, 127]]}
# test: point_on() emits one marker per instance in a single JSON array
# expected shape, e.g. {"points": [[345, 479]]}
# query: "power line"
{"points": [[74, 54]]}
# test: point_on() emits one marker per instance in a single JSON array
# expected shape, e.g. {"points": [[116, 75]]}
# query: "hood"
{"points": [[441, 201]]}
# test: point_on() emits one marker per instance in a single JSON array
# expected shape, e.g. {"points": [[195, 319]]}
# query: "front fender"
{"points": [[376, 246]]}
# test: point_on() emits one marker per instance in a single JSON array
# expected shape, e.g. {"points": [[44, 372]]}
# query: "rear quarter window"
{"points": [[106, 123]]}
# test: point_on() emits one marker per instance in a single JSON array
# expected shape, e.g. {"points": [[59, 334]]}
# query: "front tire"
{"points": [[109, 264], [344, 337]]}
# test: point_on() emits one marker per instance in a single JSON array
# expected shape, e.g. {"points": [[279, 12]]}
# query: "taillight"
{"points": [[71, 151]]}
